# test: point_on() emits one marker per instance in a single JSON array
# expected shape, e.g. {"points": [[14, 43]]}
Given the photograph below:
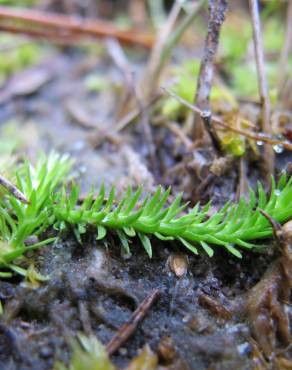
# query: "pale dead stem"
{"points": [[151, 72], [217, 11], [119, 57], [283, 63], [138, 13], [268, 152], [165, 43]]}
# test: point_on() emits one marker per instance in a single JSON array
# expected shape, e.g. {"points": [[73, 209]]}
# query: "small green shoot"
{"points": [[87, 353]]}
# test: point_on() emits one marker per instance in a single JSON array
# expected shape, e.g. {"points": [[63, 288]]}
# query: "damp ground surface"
{"points": [[92, 279]]}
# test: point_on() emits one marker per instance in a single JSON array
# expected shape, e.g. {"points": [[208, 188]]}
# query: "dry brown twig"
{"points": [[42, 34], [127, 330], [268, 153], [43, 24], [217, 11]]}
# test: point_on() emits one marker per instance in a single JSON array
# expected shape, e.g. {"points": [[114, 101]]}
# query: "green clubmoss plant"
{"points": [[18, 221], [234, 227]]}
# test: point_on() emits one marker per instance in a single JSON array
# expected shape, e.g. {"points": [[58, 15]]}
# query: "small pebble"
{"points": [[178, 264]]}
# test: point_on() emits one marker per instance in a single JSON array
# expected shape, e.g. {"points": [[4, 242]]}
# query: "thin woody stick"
{"points": [[65, 25], [127, 330], [12, 189], [217, 11], [268, 155], [43, 34]]}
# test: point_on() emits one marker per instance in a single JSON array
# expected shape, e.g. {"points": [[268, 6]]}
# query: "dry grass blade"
{"points": [[151, 75], [283, 63], [268, 154]]}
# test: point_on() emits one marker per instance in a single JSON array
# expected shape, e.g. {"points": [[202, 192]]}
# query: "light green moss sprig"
{"points": [[87, 353], [19, 221], [233, 227]]}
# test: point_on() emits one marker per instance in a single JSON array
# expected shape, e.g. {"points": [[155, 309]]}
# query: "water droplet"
{"points": [[82, 169], [260, 143], [277, 192], [278, 148], [243, 348], [185, 319]]}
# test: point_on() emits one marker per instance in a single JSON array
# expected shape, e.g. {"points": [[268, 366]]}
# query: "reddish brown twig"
{"points": [[63, 25], [127, 330], [269, 154], [43, 34], [12, 189], [217, 120], [217, 11]]}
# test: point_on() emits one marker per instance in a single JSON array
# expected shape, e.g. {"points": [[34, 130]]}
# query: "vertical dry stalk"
{"points": [[217, 11], [283, 63], [138, 12], [118, 55], [177, 33], [151, 74], [268, 155]]}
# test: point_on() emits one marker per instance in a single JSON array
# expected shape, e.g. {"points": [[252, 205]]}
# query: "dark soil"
{"points": [[92, 279]]}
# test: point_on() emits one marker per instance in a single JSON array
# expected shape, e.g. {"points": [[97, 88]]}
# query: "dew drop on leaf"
{"points": [[278, 148]]}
